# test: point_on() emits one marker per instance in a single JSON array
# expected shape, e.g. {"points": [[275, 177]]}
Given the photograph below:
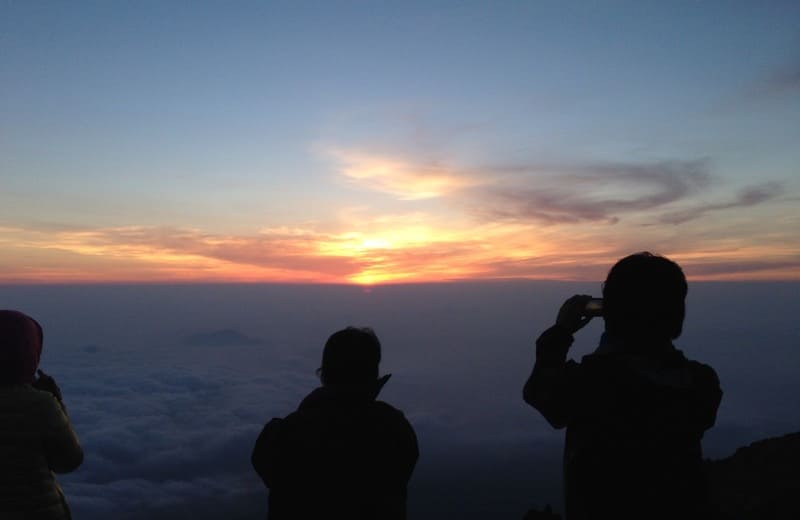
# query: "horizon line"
{"points": [[156, 283]]}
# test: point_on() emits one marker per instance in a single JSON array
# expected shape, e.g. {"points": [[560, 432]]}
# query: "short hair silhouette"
{"points": [[644, 296], [636, 408], [343, 453], [351, 356]]}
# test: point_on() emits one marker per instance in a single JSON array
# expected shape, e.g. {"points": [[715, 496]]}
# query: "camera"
{"points": [[594, 307]]}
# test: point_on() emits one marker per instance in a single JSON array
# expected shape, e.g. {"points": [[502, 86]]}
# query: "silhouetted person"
{"points": [[636, 409], [36, 438], [342, 454]]}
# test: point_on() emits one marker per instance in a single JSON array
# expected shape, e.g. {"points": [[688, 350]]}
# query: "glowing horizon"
{"points": [[412, 254]]}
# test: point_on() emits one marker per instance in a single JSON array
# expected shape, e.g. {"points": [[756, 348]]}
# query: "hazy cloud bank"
{"points": [[168, 428]]}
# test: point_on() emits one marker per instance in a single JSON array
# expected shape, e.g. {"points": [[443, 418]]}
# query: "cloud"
{"points": [[168, 428], [779, 83], [169, 431], [528, 220], [747, 197], [768, 269], [600, 192], [379, 248], [787, 80], [170, 253], [549, 194], [406, 180]]}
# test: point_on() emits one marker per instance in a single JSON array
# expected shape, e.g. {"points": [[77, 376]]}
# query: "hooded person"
{"points": [[343, 453], [36, 437]]}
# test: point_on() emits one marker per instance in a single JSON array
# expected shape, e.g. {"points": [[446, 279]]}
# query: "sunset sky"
{"points": [[373, 142]]}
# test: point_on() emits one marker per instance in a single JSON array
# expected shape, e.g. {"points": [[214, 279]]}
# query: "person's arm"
{"points": [[549, 387], [62, 449], [400, 464], [409, 448], [707, 396], [265, 452]]}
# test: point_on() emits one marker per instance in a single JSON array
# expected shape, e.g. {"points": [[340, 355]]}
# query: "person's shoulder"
{"points": [[697, 368], [388, 412], [394, 423], [40, 409], [703, 373], [283, 432], [386, 408], [312, 415], [295, 420], [28, 396]]}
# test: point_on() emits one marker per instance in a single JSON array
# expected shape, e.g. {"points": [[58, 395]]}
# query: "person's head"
{"points": [[644, 295], [351, 357], [20, 347]]}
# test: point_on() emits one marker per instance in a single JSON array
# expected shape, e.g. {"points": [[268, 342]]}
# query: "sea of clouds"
{"points": [[169, 386]]}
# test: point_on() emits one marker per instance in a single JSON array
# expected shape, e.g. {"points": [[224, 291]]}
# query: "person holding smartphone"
{"points": [[636, 409], [36, 437]]}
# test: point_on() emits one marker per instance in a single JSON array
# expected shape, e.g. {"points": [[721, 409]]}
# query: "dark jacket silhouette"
{"points": [[635, 411], [36, 437], [342, 454]]}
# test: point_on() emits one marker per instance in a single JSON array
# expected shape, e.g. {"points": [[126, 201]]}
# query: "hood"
{"points": [[20, 347]]}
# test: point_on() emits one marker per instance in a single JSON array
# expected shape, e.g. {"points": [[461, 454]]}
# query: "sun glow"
{"points": [[405, 180], [368, 250]]}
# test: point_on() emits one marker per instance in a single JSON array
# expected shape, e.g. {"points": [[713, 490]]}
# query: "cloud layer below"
{"points": [[168, 426]]}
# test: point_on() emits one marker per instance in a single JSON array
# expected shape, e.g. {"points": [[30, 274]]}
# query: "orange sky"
{"points": [[388, 249], [433, 221]]}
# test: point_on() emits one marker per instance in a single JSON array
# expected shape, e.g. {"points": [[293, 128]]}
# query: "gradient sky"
{"points": [[409, 141]]}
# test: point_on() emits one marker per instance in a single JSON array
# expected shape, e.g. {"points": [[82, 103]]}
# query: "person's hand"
{"points": [[572, 315], [48, 384]]}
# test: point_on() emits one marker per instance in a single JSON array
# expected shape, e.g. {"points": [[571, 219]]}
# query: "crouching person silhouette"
{"points": [[342, 454], [636, 409], [36, 438]]}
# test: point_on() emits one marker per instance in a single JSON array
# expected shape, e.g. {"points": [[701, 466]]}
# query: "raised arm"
{"points": [[61, 446], [551, 384]]}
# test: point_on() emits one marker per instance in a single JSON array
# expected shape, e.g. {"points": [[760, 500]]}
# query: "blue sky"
{"points": [[669, 126]]}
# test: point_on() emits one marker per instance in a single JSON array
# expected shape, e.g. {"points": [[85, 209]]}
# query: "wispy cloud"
{"points": [[565, 221], [405, 180], [383, 248], [379, 249], [599, 192], [780, 83], [168, 253], [534, 192], [747, 197], [772, 269]]}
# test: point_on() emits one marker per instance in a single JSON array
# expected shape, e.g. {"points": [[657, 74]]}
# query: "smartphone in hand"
{"points": [[594, 307]]}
